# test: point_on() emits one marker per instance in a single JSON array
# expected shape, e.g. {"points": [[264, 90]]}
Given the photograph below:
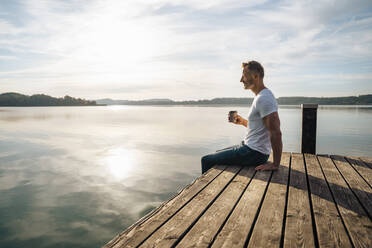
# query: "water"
{"points": [[77, 176]]}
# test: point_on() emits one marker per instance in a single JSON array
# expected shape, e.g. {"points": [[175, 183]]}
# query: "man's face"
{"points": [[247, 79]]}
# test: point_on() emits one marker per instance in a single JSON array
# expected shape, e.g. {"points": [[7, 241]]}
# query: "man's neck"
{"points": [[258, 89]]}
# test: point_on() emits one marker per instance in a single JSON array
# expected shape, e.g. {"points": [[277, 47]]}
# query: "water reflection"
{"points": [[120, 162]]}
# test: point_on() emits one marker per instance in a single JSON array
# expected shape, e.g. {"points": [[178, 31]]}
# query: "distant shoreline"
{"points": [[349, 100], [12, 99]]}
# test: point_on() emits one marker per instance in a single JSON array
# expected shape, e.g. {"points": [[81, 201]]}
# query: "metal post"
{"points": [[308, 140]]}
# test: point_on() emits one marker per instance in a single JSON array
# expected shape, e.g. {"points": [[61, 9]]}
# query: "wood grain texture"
{"points": [[171, 231], [298, 228], [203, 232], [237, 227], [355, 218], [357, 184], [362, 168], [330, 230], [367, 161], [135, 234], [268, 228]]}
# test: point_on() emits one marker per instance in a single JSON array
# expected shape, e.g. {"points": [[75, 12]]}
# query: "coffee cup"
{"points": [[232, 116]]}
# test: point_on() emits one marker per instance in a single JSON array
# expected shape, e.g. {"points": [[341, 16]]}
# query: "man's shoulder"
{"points": [[266, 96], [267, 92]]}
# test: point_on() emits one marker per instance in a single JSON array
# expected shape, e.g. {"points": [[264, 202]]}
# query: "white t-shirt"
{"points": [[258, 137]]}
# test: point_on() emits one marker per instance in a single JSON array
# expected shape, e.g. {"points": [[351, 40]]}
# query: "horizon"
{"points": [[187, 49], [226, 97], [144, 99]]}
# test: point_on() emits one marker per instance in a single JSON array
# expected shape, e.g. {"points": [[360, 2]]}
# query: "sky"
{"points": [[184, 49]]}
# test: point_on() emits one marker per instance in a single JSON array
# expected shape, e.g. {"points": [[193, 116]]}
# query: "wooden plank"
{"points": [[139, 231], [268, 228], [362, 169], [298, 228], [203, 232], [355, 218], [360, 188], [367, 161], [235, 231], [171, 231], [330, 230]]}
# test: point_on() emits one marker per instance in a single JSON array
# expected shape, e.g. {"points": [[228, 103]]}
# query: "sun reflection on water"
{"points": [[119, 162]]}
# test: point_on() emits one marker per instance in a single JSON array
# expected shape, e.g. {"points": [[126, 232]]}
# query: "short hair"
{"points": [[254, 66]]}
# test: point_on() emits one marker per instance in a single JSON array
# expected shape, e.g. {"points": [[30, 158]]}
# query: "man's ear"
{"points": [[255, 75]]}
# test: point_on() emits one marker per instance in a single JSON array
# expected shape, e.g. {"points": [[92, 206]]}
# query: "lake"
{"points": [[78, 176]]}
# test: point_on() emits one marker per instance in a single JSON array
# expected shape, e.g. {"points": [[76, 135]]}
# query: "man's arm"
{"points": [[272, 123]]}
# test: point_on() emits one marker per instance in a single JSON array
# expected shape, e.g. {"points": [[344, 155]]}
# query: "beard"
{"points": [[248, 84]]}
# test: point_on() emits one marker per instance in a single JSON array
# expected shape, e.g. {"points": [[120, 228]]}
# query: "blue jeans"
{"points": [[236, 155]]}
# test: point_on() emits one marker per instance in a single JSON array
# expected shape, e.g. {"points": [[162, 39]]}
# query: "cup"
{"points": [[233, 115]]}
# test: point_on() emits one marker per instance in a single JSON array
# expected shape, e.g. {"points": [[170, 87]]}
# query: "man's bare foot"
{"points": [[267, 167]]}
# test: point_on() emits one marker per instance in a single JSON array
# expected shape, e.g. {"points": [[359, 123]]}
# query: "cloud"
{"points": [[155, 43], [4, 57]]}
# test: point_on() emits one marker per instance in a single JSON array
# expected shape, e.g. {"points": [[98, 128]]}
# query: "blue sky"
{"points": [[184, 49]]}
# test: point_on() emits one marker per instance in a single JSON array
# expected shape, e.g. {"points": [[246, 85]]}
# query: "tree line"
{"points": [[16, 99]]}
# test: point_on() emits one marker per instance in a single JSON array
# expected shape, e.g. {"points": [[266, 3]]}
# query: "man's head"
{"points": [[253, 74]]}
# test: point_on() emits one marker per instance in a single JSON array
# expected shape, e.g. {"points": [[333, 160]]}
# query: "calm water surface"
{"points": [[77, 176]]}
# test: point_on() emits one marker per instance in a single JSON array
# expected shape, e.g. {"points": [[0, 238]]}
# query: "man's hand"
{"points": [[267, 167], [239, 120]]}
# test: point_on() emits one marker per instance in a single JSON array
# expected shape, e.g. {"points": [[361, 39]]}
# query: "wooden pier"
{"points": [[311, 201]]}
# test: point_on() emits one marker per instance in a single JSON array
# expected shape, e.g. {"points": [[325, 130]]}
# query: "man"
{"points": [[263, 128]]}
